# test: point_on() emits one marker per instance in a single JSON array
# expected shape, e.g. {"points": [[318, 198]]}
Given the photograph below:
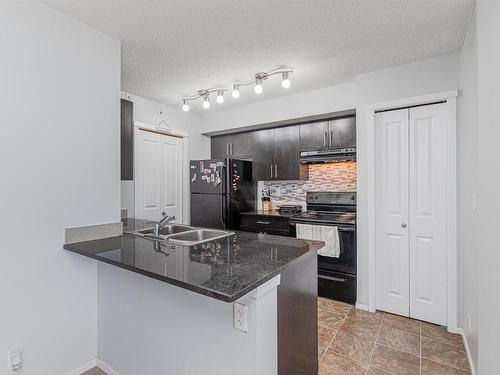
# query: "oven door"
{"points": [[346, 262]]}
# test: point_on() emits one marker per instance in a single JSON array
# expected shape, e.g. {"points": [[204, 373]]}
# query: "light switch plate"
{"points": [[241, 317]]}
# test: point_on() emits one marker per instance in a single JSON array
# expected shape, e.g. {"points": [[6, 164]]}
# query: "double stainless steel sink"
{"points": [[185, 235]]}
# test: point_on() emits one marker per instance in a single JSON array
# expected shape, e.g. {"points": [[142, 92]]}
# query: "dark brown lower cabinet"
{"points": [[259, 223]]}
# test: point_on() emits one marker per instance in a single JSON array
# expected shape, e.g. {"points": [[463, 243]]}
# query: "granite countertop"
{"points": [[275, 213], [225, 269]]}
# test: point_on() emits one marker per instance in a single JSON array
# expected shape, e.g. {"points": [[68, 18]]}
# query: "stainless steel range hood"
{"points": [[328, 155]]}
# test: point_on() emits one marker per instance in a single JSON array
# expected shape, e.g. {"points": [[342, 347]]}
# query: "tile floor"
{"points": [[352, 341]]}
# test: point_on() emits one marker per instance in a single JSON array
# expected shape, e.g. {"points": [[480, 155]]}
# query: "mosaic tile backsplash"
{"points": [[339, 176]]}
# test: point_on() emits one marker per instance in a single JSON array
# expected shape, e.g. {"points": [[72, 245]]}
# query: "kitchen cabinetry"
{"points": [[286, 153], [263, 157], [233, 145], [276, 154], [127, 139], [314, 136], [269, 224], [328, 134]]}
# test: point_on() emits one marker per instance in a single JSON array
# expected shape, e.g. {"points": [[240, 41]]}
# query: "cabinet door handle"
{"points": [[324, 139], [263, 222], [331, 138], [227, 148], [232, 148], [271, 171], [276, 170]]}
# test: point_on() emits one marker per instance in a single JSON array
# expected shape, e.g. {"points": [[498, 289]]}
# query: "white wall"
{"points": [[330, 99], [59, 147], [488, 63], [152, 113], [423, 77], [432, 75], [467, 134]]}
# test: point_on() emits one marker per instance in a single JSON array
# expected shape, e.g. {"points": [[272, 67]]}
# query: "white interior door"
{"points": [[428, 276], [158, 175], [410, 204], [392, 207]]}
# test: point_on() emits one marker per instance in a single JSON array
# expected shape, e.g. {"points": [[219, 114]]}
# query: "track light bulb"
{"points": [[220, 97], [236, 92], [285, 83], [185, 106], [258, 86], [206, 102]]}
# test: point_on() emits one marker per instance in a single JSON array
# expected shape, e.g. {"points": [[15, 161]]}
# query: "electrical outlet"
{"points": [[241, 317], [15, 359]]}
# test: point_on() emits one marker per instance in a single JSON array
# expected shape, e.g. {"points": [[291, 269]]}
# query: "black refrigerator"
{"points": [[220, 190]]}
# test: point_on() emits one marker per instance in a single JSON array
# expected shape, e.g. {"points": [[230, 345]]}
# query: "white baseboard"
{"points": [[106, 368], [81, 369], [91, 364], [467, 351], [361, 306]]}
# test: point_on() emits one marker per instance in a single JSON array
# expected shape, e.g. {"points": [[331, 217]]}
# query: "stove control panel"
{"points": [[344, 198]]}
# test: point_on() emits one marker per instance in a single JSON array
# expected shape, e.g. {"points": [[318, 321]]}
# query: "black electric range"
{"points": [[336, 276]]}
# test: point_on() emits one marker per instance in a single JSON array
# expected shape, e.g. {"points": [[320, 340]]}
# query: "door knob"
{"points": [[404, 225]]}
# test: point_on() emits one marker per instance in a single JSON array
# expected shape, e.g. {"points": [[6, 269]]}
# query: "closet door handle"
{"points": [[404, 225]]}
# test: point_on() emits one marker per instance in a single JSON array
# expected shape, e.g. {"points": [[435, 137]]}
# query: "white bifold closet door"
{"points": [[158, 175], [410, 204]]}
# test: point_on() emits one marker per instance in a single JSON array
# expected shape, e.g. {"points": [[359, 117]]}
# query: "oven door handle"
{"points": [[343, 229], [332, 278]]}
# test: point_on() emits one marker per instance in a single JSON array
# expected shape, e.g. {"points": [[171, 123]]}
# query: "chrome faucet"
{"points": [[162, 223]]}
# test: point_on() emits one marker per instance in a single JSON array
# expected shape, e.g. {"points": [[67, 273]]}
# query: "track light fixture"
{"points": [[220, 97], [257, 82], [206, 102], [236, 92]]}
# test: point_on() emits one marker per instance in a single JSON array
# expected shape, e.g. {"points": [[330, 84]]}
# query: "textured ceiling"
{"points": [[172, 49]]}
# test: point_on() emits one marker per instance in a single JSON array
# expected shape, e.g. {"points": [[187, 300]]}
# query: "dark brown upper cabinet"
{"points": [[286, 153], [127, 139], [232, 146], [342, 132], [338, 133], [314, 136]]}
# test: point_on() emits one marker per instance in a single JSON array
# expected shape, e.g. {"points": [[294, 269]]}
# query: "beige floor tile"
{"points": [[439, 333], [374, 318], [352, 347], [401, 322], [325, 336], [94, 371], [434, 368], [333, 364], [395, 361], [339, 308], [321, 351], [360, 328], [446, 354], [400, 340], [375, 371], [329, 319]]}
